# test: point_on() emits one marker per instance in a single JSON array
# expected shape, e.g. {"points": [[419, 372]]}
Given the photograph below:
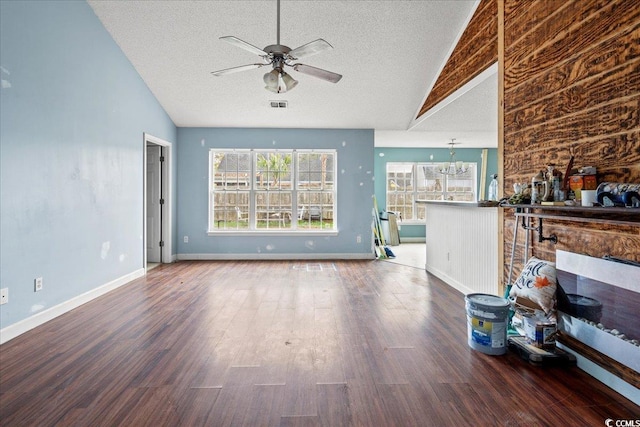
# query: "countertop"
{"points": [[480, 204]]}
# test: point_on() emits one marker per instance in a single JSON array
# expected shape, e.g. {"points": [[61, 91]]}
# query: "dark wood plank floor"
{"points": [[283, 343]]}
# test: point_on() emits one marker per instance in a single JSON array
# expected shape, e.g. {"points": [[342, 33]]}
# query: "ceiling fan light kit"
{"points": [[279, 82], [279, 56]]}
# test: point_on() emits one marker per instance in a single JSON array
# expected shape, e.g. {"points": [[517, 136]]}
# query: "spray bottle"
{"points": [[493, 188]]}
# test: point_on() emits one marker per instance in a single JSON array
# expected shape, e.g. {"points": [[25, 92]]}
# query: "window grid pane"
{"points": [[273, 170], [315, 210], [273, 209], [229, 186], [315, 171], [231, 210], [231, 170], [400, 187]]}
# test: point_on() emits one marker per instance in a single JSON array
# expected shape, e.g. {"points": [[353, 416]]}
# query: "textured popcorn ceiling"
{"points": [[389, 53]]}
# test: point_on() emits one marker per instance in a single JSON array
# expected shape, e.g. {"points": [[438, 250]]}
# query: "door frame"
{"points": [[166, 188]]}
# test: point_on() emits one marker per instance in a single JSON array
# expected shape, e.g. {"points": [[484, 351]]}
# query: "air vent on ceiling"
{"points": [[278, 104]]}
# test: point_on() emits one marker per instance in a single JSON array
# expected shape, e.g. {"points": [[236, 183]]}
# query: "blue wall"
{"points": [[72, 115], [355, 183], [383, 155], [73, 112]]}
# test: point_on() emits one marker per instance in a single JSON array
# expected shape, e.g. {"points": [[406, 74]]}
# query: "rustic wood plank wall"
{"points": [[572, 80], [476, 50]]}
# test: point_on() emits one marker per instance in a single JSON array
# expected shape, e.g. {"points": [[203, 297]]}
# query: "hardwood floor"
{"points": [[283, 343]]}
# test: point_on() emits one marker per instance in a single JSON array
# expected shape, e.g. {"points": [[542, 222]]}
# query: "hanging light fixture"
{"points": [[453, 167]]}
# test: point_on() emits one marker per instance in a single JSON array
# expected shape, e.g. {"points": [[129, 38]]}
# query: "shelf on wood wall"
{"points": [[595, 214]]}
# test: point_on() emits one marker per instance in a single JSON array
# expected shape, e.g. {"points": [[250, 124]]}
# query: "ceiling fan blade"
{"points": [[310, 48], [318, 72], [237, 69], [244, 45]]}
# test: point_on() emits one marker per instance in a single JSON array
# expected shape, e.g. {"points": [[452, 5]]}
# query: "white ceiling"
{"points": [[389, 53]]}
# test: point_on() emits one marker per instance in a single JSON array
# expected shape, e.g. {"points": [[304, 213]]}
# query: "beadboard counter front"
{"points": [[462, 245]]}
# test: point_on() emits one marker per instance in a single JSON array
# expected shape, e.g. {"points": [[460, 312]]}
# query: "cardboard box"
{"points": [[526, 305], [589, 182]]}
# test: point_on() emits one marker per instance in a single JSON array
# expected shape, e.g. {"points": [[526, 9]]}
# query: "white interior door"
{"points": [[154, 215]]}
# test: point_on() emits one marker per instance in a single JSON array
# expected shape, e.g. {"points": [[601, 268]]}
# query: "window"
{"points": [[408, 182], [272, 190]]}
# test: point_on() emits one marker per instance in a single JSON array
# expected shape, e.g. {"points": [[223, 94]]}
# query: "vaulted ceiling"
{"points": [[390, 54]]}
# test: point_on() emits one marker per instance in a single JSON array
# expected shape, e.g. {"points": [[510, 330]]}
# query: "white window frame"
{"points": [[257, 197], [422, 188]]}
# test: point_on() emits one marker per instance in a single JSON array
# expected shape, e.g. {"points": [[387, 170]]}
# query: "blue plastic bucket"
{"points": [[487, 317]]}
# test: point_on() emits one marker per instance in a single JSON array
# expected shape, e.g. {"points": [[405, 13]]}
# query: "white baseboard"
{"points": [[272, 256], [449, 280], [412, 240], [44, 316]]}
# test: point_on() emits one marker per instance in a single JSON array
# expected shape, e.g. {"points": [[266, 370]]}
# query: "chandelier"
{"points": [[453, 167]]}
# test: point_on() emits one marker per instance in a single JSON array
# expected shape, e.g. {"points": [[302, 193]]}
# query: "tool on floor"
{"points": [[384, 250]]}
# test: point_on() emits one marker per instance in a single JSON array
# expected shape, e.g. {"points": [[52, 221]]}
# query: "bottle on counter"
{"points": [[493, 188]]}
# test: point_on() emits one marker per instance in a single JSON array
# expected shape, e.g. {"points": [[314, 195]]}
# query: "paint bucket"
{"points": [[487, 317]]}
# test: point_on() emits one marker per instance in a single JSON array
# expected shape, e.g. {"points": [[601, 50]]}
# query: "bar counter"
{"points": [[462, 244]]}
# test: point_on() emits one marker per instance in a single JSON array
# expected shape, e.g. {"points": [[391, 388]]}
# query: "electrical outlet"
{"points": [[4, 295], [186, 239], [37, 284], [358, 239]]}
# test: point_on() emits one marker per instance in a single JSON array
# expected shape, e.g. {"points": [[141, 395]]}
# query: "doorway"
{"points": [[155, 242], [157, 206]]}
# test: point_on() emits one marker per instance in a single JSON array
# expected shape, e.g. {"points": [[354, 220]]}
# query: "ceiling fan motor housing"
{"points": [[277, 49]]}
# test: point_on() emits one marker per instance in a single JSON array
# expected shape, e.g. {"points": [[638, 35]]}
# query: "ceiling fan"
{"points": [[279, 56]]}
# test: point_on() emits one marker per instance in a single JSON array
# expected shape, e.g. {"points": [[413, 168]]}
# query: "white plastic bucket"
{"points": [[487, 317]]}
